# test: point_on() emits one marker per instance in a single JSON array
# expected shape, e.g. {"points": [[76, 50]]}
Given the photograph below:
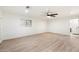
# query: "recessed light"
{"points": [[27, 9]]}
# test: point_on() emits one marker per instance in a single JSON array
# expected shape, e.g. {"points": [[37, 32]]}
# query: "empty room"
{"points": [[39, 29]]}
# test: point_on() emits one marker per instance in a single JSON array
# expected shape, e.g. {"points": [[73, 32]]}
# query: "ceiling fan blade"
{"points": [[55, 14]]}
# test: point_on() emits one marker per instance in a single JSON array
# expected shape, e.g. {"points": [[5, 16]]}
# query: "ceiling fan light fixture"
{"points": [[48, 16]]}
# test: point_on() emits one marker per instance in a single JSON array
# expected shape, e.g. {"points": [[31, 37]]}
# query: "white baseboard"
{"points": [[1, 41], [61, 33], [22, 36]]}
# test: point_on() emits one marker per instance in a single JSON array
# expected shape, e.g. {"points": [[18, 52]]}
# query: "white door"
{"points": [[74, 25]]}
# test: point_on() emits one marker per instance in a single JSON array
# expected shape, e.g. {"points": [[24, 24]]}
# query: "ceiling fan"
{"points": [[51, 14]]}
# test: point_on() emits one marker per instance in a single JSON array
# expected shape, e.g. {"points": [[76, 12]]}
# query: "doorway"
{"points": [[74, 26]]}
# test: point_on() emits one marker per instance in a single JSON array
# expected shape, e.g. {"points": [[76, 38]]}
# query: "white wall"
{"points": [[0, 29], [59, 26], [13, 27], [1, 15]]}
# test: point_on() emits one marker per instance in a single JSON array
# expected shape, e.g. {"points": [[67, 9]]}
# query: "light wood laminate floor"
{"points": [[44, 42]]}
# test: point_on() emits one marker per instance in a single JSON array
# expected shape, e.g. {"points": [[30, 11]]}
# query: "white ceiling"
{"points": [[40, 11]]}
